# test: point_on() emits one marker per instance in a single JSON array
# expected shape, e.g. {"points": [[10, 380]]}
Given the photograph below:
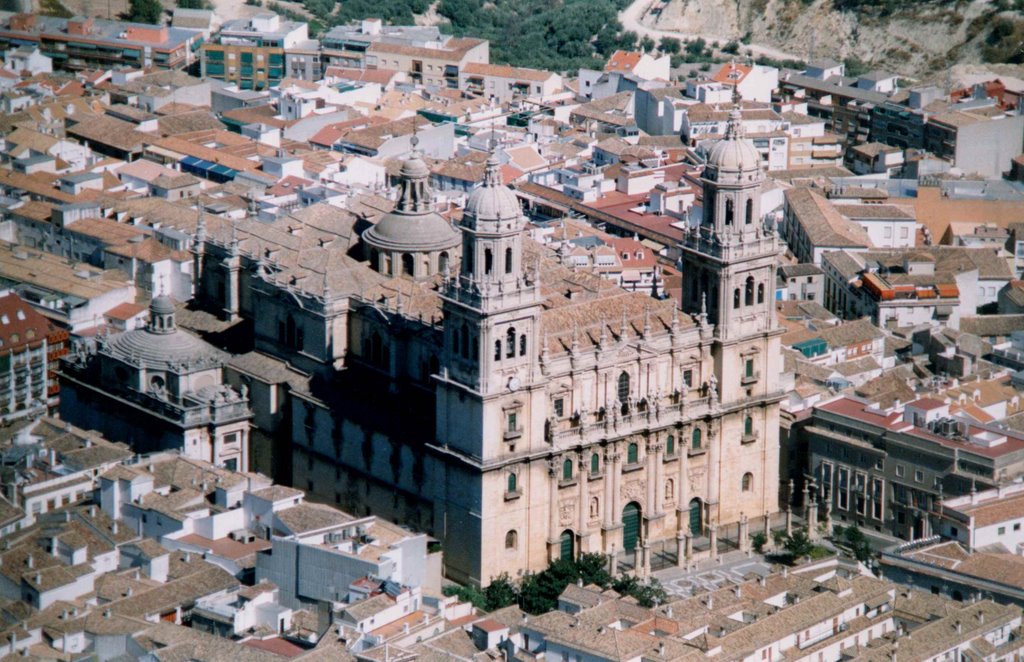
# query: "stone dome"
{"points": [[162, 345], [413, 226], [163, 351], [734, 153], [162, 305], [493, 201]]}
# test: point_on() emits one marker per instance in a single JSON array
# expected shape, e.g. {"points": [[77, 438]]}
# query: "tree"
{"points": [[732, 47], [670, 45], [469, 594], [145, 11], [759, 540], [696, 47], [647, 44], [646, 594], [501, 592], [799, 544], [858, 543]]}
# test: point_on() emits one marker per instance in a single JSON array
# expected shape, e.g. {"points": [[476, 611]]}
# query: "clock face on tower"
{"points": [[513, 383]]}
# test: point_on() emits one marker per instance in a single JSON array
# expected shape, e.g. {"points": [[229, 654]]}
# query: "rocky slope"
{"points": [[918, 39]]}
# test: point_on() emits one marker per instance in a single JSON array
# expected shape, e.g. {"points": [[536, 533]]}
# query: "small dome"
{"points": [[734, 153], [414, 167], [161, 305], [413, 226], [493, 201]]}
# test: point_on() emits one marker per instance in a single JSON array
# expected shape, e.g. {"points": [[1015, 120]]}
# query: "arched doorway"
{"points": [[630, 526], [565, 546], [696, 517]]}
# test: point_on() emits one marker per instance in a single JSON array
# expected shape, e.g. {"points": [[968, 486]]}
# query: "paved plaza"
{"points": [[709, 575]]}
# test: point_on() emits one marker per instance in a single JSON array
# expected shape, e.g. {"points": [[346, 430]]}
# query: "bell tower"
{"points": [[491, 326], [729, 260]]}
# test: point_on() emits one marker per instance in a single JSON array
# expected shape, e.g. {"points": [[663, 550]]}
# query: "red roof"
{"points": [[926, 404], [277, 646], [623, 61], [20, 324], [125, 311]]}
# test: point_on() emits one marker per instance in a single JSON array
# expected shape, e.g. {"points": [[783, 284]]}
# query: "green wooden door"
{"points": [[696, 517], [630, 526], [566, 546]]}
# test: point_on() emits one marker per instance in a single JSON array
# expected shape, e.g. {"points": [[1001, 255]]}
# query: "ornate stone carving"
{"points": [[634, 490], [567, 511]]}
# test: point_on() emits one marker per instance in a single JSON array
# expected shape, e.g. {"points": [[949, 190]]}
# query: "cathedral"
{"points": [[467, 383]]}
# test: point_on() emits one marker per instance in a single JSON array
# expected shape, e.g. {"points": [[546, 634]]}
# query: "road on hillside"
{"points": [[632, 16]]}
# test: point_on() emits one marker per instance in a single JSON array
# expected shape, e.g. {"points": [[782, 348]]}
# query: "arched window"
{"points": [[670, 445], [512, 483], [595, 508], [455, 341], [510, 342], [728, 212], [595, 463], [736, 298], [750, 211], [750, 291], [670, 489], [748, 482], [522, 345], [508, 260], [748, 426], [465, 341], [760, 292], [623, 390], [695, 440], [511, 540], [387, 265], [567, 469], [488, 260], [497, 350], [407, 264], [467, 258], [442, 261], [632, 454]]}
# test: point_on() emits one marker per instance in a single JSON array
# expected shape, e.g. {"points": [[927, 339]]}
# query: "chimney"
{"points": [[661, 649], [30, 562], [113, 527], [106, 613], [959, 627], [128, 592], [92, 511]]}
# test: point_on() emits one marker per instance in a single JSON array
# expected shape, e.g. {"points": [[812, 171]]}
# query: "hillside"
{"points": [[912, 37]]}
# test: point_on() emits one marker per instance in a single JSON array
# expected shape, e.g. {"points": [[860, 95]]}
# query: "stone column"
{"points": [[659, 478], [682, 542], [713, 534], [767, 525], [714, 457], [812, 515], [744, 534], [807, 504], [584, 478], [645, 568], [789, 520], [616, 488], [553, 510], [652, 481], [682, 505]]}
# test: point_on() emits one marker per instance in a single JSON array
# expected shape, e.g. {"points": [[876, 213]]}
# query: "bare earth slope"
{"points": [[918, 39]]}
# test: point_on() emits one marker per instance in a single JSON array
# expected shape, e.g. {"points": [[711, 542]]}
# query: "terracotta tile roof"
{"points": [[623, 61], [504, 71], [20, 324]]}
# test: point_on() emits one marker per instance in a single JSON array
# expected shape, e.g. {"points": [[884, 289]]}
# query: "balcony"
{"points": [[613, 424], [752, 378], [748, 438], [513, 434]]}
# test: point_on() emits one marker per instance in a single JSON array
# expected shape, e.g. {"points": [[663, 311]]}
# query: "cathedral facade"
{"points": [[518, 410]]}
